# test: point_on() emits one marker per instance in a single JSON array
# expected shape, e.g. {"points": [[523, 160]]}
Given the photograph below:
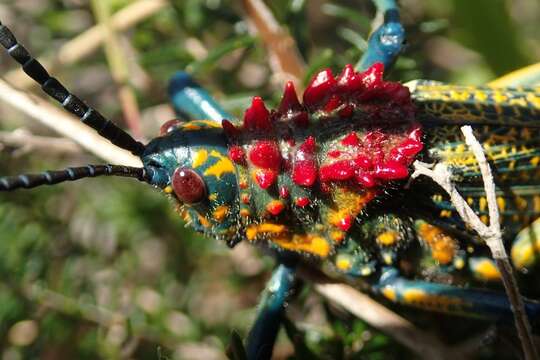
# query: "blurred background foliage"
{"points": [[104, 268]]}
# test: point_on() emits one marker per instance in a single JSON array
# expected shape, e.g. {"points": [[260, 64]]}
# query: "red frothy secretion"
{"points": [[188, 186], [302, 201], [237, 155], [304, 170], [265, 177], [265, 154]]}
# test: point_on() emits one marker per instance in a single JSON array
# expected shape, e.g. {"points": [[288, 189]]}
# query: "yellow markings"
{"points": [[168, 190], [310, 243], [526, 248], [213, 197], [348, 203], [191, 126], [470, 201], [484, 219], [254, 230], [459, 263], [387, 258], [446, 213], [501, 203], [208, 123], [499, 97], [200, 157], [536, 203], [223, 166], [422, 299], [389, 293], [337, 236], [459, 95], [388, 238], [343, 263], [485, 269], [521, 203], [482, 204], [245, 212], [535, 161], [518, 102], [480, 96], [220, 213], [366, 271], [204, 221], [443, 247]]}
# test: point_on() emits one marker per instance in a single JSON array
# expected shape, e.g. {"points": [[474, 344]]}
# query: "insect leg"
{"points": [[525, 250], [527, 76], [261, 338], [386, 42], [192, 102], [448, 298]]}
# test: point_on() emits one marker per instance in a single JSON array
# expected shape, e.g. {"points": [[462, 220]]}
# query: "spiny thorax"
{"points": [[306, 170]]}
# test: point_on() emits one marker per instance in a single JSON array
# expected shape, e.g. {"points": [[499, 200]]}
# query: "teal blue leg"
{"points": [[192, 102], [386, 42], [449, 299], [261, 339]]}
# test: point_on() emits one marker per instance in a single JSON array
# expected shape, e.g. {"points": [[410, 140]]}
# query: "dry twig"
{"points": [[491, 234], [119, 68], [66, 125], [26, 142], [285, 59], [89, 41]]}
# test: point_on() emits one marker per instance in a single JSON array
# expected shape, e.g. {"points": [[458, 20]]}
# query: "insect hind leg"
{"points": [[192, 102], [450, 299], [262, 336], [386, 42]]}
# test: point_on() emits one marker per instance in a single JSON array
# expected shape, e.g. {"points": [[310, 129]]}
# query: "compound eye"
{"points": [[188, 186]]}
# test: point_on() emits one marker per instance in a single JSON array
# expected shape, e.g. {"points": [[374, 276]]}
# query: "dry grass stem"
{"points": [[66, 125], [285, 59], [491, 233], [119, 68], [26, 142], [88, 42]]}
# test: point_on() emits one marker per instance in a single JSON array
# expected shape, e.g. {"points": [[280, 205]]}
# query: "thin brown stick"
{"points": [[378, 316], [491, 234], [90, 40], [118, 66], [66, 125], [27, 142], [285, 59]]}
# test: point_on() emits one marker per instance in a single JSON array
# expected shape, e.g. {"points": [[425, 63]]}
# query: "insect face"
{"points": [[189, 161]]}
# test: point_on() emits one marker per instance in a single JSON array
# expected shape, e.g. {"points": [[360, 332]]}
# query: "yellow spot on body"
{"points": [[343, 263], [204, 221], [337, 236], [347, 203], [521, 203], [220, 213], [482, 204], [208, 123], [168, 190], [223, 166], [470, 201], [459, 263], [445, 213], [485, 269], [535, 160], [200, 158], [526, 248], [245, 212], [389, 293], [190, 126], [388, 238], [213, 197], [498, 97], [387, 258], [480, 96], [443, 247], [422, 299], [365, 271], [501, 203], [484, 219], [265, 228], [310, 243]]}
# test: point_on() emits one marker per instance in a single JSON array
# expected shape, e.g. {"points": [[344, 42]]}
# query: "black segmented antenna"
{"points": [[70, 174], [70, 102]]}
